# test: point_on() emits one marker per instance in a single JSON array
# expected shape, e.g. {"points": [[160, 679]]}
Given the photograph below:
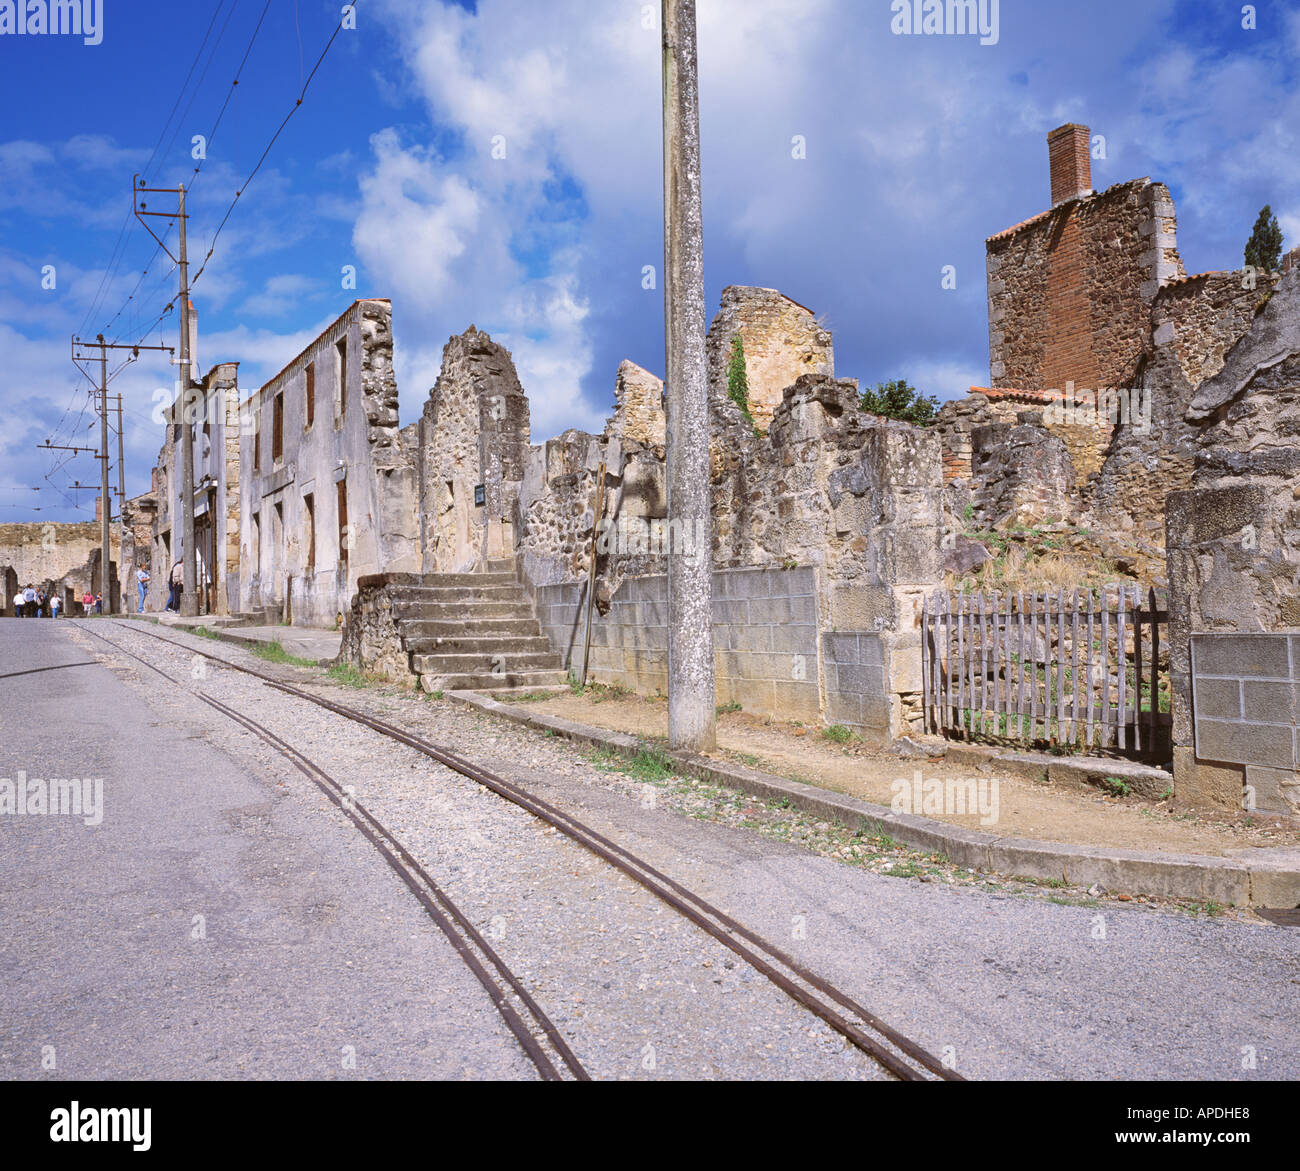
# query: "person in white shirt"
{"points": [[19, 603]]}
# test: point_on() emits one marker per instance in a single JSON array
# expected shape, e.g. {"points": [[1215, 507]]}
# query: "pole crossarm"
{"points": [[141, 212], [102, 346]]}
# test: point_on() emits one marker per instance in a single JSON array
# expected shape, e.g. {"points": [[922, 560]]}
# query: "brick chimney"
{"points": [[1071, 162]]}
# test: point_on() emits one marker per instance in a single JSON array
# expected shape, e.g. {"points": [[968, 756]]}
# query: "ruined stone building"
{"points": [[215, 412], [327, 481], [825, 532], [458, 552], [1097, 339]]}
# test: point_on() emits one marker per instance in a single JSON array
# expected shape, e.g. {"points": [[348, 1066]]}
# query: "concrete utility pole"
{"points": [[182, 411], [691, 695], [190, 597], [105, 500], [121, 498], [101, 404]]}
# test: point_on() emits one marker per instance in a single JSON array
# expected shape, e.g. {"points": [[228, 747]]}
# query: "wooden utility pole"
{"points": [[691, 695]]}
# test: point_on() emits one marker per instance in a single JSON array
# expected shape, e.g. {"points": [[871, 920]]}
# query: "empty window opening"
{"points": [[342, 490], [309, 520], [277, 429], [341, 376]]}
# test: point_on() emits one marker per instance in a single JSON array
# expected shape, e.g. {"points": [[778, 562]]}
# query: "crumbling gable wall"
{"points": [[475, 432], [783, 341], [1233, 543]]}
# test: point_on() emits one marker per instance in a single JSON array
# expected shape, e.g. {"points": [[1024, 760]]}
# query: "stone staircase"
{"points": [[475, 632]]}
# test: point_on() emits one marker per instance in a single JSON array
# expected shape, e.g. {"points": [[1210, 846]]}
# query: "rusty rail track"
{"points": [[505, 988], [897, 1053]]}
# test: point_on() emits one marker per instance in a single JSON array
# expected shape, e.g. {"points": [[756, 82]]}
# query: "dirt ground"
{"points": [[1025, 808]]}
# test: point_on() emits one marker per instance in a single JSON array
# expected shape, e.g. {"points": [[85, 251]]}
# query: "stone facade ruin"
{"points": [[328, 481], [1115, 379], [1234, 556], [782, 342]]}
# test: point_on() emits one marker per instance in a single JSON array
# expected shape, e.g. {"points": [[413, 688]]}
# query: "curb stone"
{"points": [[1261, 878]]}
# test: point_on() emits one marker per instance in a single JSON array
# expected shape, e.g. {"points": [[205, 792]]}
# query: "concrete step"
{"points": [[418, 628], [483, 593], [559, 686], [470, 642], [460, 580], [501, 662], [504, 565], [458, 612], [517, 682]]}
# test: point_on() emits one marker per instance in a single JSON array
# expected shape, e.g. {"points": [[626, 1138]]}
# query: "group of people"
{"points": [[175, 587], [34, 603]]}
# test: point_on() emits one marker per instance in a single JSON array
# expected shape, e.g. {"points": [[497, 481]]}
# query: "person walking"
{"points": [[87, 600], [99, 603], [177, 579], [29, 602], [142, 580], [55, 606], [20, 604]]}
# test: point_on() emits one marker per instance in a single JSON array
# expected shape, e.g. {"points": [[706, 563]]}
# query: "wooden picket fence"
{"points": [[1083, 668]]}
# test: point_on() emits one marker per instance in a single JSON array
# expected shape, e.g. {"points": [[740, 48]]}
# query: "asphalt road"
{"points": [[311, 944], [211, 925]]}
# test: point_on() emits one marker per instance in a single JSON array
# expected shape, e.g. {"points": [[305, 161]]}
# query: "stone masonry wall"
{"points": [[783, 341], [56, 558], [1233, 538], [1195, 323], [476, 431]]}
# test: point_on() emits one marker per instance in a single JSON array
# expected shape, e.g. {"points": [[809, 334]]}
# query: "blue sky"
{"points": [[917, 148]]}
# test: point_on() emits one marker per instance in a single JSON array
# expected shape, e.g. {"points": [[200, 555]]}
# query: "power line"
{"points": [[215, 13], [198, 169], [279, 130], [111, 270]]}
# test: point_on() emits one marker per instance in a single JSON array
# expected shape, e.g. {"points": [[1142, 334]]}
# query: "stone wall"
{"points": [[856, 496], [475, 433], [1233, 538], [1021, 473], [783, 341], [1195, 323], [60, 559]]}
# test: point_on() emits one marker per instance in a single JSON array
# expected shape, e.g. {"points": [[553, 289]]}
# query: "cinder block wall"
{"points": [[1245, 692], [857, 683], [765, 637]]}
